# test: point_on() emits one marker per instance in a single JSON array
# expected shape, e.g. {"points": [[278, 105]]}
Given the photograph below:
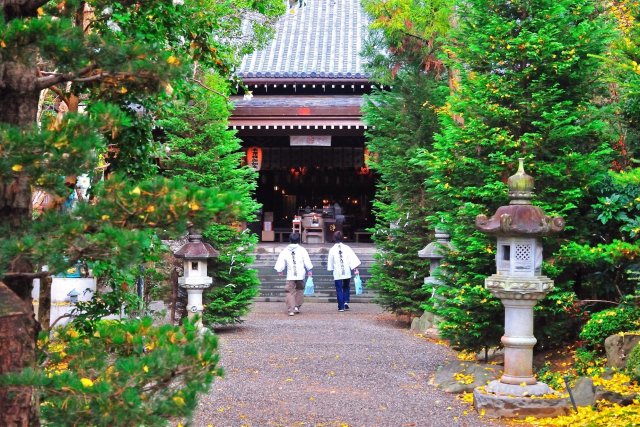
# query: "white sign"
{"points": [[310, 140]]}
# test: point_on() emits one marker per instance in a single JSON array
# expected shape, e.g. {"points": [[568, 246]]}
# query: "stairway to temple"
{"points": [[272, 285]]}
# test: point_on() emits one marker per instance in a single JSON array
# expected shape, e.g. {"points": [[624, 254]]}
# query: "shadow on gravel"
{"points": [[393, 321], [229, 329]]}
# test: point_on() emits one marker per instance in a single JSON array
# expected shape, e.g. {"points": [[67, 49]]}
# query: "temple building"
{"points": [[301, 123]]}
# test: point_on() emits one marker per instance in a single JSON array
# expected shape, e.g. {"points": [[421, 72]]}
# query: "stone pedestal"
{"points": [[194, 299], [518, 341]]}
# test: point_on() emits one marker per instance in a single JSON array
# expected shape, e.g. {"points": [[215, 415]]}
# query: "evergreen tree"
{"points": [[202, 150], [403, 47], [125, 54], [609, 263], [529, 75], [402, 122]]}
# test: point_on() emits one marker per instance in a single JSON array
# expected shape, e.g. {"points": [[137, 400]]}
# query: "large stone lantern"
{"points": [[519, 284], [196, 253]]}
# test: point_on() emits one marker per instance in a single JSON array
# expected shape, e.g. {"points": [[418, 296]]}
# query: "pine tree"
{"points": [[126, 55], [529, 78]]}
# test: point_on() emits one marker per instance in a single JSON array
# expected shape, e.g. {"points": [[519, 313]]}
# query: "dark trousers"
{"points": [[342, 292]]}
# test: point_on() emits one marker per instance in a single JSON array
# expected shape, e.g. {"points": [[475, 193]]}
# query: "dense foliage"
{"points": [[402, 124], [402, 121], [123, 373], [529, 82], [625, 317], [202, 150], [108, 70]]}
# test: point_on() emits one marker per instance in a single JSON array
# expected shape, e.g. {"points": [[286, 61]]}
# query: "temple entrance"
{"points": [[329, 184]]}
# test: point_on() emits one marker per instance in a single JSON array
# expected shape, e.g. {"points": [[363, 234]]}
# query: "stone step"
{"points": [[281, 298]]}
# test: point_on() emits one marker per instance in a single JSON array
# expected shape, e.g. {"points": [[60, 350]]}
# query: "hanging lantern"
{"points": [[254, 157]]}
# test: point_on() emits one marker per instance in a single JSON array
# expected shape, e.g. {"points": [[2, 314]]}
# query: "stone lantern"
{"points": [[196, 253], [519, 284], [434, 252]]}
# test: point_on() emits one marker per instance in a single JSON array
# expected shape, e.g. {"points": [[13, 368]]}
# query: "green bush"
{"points": [[552, 378], [633, 363], [127, 373], [588, 362], [609, 322]]}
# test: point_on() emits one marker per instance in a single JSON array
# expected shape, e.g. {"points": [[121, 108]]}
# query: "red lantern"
{"points": [[254, 157]]}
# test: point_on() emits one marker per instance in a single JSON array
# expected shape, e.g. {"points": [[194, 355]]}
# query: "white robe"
{"points": [[295, 270], [342, 263]]}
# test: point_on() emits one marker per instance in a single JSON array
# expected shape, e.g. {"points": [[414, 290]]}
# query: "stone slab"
{"points": [[503, 406]]}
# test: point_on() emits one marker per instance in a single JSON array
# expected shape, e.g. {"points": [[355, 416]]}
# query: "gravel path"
{"points": [[323, 368]]}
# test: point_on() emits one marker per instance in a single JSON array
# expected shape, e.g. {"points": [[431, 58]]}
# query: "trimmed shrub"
{"points": [[608, 322]]}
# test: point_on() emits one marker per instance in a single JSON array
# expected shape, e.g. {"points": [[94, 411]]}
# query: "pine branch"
{"points": [[17, 274], [51, 78]]}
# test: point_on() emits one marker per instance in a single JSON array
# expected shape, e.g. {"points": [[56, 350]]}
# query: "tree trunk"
{"points": [[18, 331], [19, 93], [18, 328]]}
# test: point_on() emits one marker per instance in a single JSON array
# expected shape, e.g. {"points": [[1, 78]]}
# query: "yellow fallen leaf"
{"points": [[86, 382]]}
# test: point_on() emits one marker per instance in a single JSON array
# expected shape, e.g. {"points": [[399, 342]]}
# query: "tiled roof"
{"points": [[321, 40]]}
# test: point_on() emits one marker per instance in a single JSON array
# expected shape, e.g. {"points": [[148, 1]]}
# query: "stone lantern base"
{"points": [[538, 400], [194, 300]]}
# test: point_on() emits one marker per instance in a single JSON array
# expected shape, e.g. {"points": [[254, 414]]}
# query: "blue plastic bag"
{"points": [[357, 282], [308, 287]]}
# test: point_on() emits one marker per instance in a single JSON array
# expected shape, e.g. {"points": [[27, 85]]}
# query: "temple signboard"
{"points": [[310, 140]]}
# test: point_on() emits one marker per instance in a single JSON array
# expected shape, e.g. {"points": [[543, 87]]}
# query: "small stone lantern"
{"points": [[434, 252], [196, 253], [519, 284]]}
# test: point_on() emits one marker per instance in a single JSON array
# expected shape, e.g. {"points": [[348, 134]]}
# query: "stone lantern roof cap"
{"points": [[520, 217], [437, 249], [520, 185], [196, 249]]}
